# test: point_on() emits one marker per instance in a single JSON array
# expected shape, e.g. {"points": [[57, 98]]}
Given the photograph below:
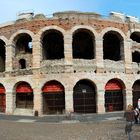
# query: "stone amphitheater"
{"points": [[72, 62]]}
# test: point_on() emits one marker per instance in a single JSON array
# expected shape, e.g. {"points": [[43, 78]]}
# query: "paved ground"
{"points": [[109, 126]]}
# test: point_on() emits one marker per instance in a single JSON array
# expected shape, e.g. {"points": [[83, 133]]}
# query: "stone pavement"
{"points": [[65, 118], [109, 126]]}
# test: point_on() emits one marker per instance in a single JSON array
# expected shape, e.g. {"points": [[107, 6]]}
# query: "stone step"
{"points": [[19, 111]]}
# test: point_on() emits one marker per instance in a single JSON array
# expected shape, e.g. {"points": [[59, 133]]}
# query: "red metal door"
{"points": [[2, 102]]}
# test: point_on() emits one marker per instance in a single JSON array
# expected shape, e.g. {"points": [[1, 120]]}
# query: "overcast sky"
{"points": [[10, 8]]}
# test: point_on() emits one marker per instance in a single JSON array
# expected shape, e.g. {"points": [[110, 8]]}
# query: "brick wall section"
{"points": [[67, 71], [36, 25]]}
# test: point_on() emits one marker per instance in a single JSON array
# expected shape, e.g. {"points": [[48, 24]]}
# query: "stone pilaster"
{"points": [[38, 101], [37, 53], [68, 48], [100, 101], [128, 56], [99, 55], [69, 101], [128, 98], [10, 53], [10, 103]]}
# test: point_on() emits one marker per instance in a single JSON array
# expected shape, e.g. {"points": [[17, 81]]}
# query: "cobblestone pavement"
{"points": [[101, 130]]}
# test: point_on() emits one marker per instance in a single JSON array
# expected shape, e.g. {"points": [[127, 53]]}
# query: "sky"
{"points": [[9, 9]]}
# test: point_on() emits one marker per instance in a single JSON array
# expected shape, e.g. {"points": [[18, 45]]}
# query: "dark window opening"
{"points": [[22, 63], [2, 56], [113, 100], [24, 100], [111, 47], [135, 37], [84, 97], [24, 44], [53, 103], [53, 45], [136, 57], [83, 45], [136, 93]]}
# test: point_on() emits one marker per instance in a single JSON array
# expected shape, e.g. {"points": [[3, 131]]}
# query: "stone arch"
{"points": [[24, 79], [52, 44], [104, 31], [114, 95], [113, 37], [134, 36], [53, 93], [132, 31], [136, 93], [40, 33], [75, 28], [12, 38], [84, 96], [24, 95], [4, 39], [83, 44]]}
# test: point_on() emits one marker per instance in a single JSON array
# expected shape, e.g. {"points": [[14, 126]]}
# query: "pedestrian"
{"points": [[139, 104], [136, 111], [130, 118]]}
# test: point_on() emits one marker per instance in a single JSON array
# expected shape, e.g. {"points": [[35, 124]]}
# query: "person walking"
{"points": [[129, 115]]}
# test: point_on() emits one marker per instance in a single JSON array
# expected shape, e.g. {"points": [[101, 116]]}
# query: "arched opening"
{"points": [[2, 99], [53, 45], [2, 56], [22, 63], [84, 97], [113, 46], [135, 36], [23, 44], [24, 96], [113, 96], [53, 98], [136, 56], [136, 93], [83, 44]]}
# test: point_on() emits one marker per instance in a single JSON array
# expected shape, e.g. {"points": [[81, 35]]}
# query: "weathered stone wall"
{"points": [[67, 71]]}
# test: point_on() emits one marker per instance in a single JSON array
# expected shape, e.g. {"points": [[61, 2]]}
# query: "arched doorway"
{"points": [[2, 98], [84, 97], [136, 93], [24, 96], [53, 98], [113, 96]]}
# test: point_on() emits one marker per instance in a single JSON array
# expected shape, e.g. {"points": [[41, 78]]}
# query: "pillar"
{"points": [[38, 103], [99, 55], [69, 101], [10, 53], [37, 53], [128, 56], [68, 48], [100, 101], [128, 98], [10, 102]]}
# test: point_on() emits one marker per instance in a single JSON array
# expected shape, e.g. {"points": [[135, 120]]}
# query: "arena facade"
{"points": [[72, 62]]}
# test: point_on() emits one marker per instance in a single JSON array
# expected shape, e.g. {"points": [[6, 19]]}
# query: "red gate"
{"points": [[2, 99]]}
